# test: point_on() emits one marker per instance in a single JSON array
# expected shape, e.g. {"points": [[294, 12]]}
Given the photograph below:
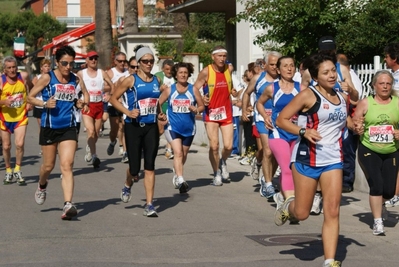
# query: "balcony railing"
{"points": [[75, 21]]}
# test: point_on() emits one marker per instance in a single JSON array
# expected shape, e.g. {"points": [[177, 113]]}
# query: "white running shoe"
{"points": [[217, 180], [378, 228], [316, 207], [88, 156]]}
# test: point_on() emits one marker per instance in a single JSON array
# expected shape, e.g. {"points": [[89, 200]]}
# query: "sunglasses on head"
{"points": [[66, 63], [146, 61], [134, 66], [93, 58], [120, 60]]}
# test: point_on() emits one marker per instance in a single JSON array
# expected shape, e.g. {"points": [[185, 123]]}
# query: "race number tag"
{"points": [[16, 100], [148, 106], [64, 92], [381, 134], [181, 105], [96, 96], [217, 114]]}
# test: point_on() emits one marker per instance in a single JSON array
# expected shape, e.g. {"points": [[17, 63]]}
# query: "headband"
{"points": [[219, 51], [143, 51]]}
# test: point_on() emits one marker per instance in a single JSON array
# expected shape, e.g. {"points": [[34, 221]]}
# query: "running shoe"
{"points": [[175, 181], [282, 214], [378, 228], [126, 196], [169, 154], [217, 180], [245, 161], [184, 187], [333, 264], [393, 202], [96, 163], [111, 148], [316, 206], [88, 156], [255, 169], [278, 199], [8, 178], [18, 177], [384, 213], [40, 195], [125, 159], [69, 211], [262, 189], [223, 169], [120, 153], [150, 211]]}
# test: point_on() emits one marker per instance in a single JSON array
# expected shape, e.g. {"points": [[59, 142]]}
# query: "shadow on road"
{"points": [[309, 251]]}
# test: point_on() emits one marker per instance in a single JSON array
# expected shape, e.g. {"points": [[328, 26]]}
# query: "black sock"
{"points": [[43, 186]]}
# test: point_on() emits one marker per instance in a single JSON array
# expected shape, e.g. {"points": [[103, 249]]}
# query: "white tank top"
{"points": [[117, 75], [39, 95], [94, 85]]}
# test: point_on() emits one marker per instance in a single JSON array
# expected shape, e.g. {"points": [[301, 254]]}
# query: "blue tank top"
{"points": [[180, 119], [280, 100], [260, 86], [143, 96], [62, 116]]}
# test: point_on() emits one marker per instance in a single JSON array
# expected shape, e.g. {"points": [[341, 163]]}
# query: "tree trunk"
{"points": [[131, 18], [103, 34], [180, 21]]}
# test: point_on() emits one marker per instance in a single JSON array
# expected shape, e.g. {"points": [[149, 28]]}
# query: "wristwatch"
{"points": [[302, 132], [45, 104]]}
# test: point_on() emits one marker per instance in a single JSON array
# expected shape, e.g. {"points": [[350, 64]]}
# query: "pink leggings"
{"points": [[282, 152]]}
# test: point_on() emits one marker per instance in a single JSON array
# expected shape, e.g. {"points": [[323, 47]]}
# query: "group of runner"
{"points": [[299, 126]]}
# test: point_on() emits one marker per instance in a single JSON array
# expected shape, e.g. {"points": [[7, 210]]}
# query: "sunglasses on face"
{"points": [[93, 58], [120, 60], [146, 61], [66, 63], [134, 66]]}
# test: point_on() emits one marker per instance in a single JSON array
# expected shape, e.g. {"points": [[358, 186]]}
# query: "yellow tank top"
{"points": [[17, 93]]}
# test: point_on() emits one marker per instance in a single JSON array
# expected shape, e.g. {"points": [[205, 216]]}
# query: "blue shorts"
{"points": [[186, 140], [315, 172], [260, 125]]}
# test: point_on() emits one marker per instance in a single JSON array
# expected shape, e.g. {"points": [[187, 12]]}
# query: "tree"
{"points": [[103, 34], [38, 30], [293, 27], [211, 26], [131, 19], [371, 27]]}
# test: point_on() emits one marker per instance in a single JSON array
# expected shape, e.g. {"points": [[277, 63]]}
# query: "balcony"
{"points": [[72, 22]]}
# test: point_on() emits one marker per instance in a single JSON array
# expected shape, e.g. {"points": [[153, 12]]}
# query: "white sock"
{"points": [[328, 261], [378, 220], [268, 184]]}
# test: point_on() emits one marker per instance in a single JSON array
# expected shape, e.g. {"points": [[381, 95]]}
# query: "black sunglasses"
{"points": [[134, 66], [66, 63], [120, 61], [93, 58], [146, 61]]}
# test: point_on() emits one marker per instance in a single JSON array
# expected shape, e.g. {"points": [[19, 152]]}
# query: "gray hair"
{"points": [[273, 54], [382, 72], [8, 59], [119, 54]]}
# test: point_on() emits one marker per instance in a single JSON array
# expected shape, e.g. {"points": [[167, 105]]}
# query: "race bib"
{"points": [[64, 92], [217, 114], [181, 105], [17, 100], [148, 106], [95, 96], [381, 134]]}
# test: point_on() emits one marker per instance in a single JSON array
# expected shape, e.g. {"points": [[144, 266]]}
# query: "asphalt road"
{"points": [[222, 226]]}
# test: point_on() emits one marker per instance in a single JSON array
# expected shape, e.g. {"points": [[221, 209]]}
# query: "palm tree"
{"points": [[131, 18], [103, 34]]}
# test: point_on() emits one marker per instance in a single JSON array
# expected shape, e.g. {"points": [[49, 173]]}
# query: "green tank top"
{"points": [[380, 121]]}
